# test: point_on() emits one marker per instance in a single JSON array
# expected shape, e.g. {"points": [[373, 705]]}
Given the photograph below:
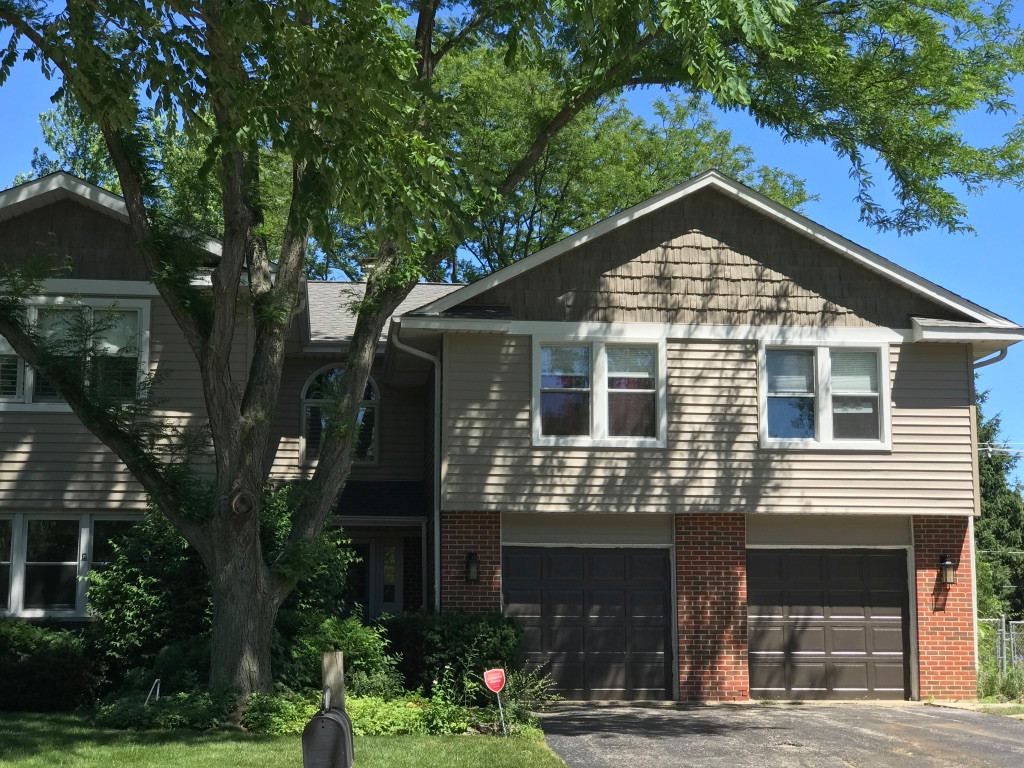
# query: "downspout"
{"points": [[433, 360], [989, 360]]}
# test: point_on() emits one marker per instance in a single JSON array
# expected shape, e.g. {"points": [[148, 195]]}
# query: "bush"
{"points": [[525, 693], [1008, 687], [194, 711], [282, 713], [466, 643], [371, 716], [368, 667], [43, 670]]}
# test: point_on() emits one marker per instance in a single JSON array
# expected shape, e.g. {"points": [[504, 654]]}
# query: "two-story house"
{"points": [[705, 449]]}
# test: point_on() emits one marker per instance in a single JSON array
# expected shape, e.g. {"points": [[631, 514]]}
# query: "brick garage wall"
{"points": [[461, 533], [945, 617], [711, 595]]}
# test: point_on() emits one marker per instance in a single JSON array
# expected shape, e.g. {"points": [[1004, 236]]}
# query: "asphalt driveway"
{"points": [[780, 735]]}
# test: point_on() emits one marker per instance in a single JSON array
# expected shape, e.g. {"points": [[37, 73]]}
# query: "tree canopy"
{"points": [[361, 111]]}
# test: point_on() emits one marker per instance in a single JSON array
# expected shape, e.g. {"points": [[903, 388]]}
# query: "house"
{"points": [[703, 450]]}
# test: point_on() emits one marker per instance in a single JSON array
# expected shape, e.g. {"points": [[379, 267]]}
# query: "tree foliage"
{"points": [[999, 532], [347, 107]]}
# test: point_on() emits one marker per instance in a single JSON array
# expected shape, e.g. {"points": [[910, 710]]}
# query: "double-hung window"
{"points": [[831, 397], [599, 393], [107, 340]]}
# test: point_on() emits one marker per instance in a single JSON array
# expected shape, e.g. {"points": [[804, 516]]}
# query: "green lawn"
{"points": [[52, 741]]}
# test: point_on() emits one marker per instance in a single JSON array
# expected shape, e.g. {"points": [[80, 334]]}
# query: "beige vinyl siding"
{"points": [[401, 433], [49, 462], [708, 259], [712, 462]]}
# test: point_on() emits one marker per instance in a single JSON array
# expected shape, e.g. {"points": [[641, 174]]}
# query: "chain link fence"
{"points": [[1000, 658]]}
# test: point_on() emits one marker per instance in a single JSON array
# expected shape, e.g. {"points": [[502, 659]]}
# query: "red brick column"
{"points": [[462, 533], [945, 616], [711, 605]]}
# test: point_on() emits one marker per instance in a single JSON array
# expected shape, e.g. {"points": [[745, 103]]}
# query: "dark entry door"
{"points": [[599, 620], [828, 624]]}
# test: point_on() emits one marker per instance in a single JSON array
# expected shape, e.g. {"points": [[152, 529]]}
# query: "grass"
{"points": [[1010, 710], [69, 741]]}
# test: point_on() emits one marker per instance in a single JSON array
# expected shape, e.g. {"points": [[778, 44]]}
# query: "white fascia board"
{"points": [[65, 287], [751, 199], [924, 331]]}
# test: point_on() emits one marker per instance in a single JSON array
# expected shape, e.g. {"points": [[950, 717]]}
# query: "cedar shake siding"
{"points": [[99, 246], [708, 259], [712, 462]]}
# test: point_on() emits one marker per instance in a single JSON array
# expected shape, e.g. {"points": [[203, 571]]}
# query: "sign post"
{"points": [[494, 679]]}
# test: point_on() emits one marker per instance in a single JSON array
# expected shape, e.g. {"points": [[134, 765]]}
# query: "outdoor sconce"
{"points": [[947, 571], [472, 568]]}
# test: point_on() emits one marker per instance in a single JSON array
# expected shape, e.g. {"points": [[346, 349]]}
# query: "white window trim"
{"points": [[823, 400], [142, 306], [19, 553], [303, 403], [599, 437]]}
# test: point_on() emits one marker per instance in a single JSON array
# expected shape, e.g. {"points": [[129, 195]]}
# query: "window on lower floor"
{"points": [[44, 561]]}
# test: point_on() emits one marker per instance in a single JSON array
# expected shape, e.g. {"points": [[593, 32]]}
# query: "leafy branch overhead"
{"points": [[312, 131]]}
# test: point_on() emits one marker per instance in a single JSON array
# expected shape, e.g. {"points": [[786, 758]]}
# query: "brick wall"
{"points": [[461, 533], [945, 617], [711, 589]]}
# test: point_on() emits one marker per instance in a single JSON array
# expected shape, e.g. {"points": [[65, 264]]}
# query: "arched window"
{"points": [[320, 391]]}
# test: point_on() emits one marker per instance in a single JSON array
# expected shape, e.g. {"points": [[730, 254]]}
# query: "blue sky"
{"points": [[987, 268]]}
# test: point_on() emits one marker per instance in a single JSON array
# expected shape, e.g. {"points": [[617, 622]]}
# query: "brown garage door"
{"points": [[828, 624], [599, 620]]}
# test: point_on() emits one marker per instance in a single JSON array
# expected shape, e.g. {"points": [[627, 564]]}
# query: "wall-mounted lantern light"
{"points": [[947, 571], [472, 568]]}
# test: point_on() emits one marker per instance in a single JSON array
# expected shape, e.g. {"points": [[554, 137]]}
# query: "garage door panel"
{"points": [[605, 618], [856, 648], [849, 639], [649, 603], [523, 602], [523, 566], [606, 566], [565, 603], [606, 640], [607, 604]]}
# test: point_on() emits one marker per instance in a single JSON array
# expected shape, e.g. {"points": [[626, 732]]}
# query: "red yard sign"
{"points": [[494, 679]]}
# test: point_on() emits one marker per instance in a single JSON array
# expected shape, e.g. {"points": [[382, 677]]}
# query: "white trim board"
{"points": [[716, 180]]}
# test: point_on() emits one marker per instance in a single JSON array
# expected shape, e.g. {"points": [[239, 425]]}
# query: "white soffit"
{"points": [[714, 179]]}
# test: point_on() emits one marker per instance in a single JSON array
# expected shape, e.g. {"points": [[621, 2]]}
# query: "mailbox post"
{"points": [[327, 739]]}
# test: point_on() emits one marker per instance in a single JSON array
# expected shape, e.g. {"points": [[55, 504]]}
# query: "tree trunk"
{"points": [[245, 604]]}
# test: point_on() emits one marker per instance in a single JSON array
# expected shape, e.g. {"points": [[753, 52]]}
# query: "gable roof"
{"points": [[714, 179], [62, 185], [329, 307]]}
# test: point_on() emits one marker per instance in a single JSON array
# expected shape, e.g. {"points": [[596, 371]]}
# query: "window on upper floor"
{"points": [[599, 393], [109, 340], [45, 560], [317, 398], [831, 397]]}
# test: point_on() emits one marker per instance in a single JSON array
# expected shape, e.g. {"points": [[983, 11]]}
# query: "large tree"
{"points": [[354, 98]]}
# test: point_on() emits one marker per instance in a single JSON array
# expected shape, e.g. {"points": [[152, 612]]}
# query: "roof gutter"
{"points": [[989, 360], [433, 360]]}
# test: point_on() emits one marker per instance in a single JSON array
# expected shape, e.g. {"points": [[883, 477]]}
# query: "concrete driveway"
{"points": [[774, 736]]}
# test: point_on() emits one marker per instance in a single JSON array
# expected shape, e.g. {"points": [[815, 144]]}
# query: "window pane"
{"points": [[325, 385], [790, 371], [51, 586], [103, 532], [631, 414], [45, 392], [855, 418], [631, 367], [565, 413], [854, 370], [5, 564], [116, 331], [316, 423], [390, 574], [791, 417], [117, 377], [10, 376], [5, 540], [59, 325], [565, 367], [366, 449], [52, 541]]}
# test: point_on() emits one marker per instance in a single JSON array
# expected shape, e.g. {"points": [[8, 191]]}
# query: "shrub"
{"points": [[193, 710], [43, 670], [372, 716], [289, 712], [281, 713], [368, 667], [467, 643], [525, 693]]}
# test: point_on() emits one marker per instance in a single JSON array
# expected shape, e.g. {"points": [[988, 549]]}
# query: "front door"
{"points": [[377, 580]]}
